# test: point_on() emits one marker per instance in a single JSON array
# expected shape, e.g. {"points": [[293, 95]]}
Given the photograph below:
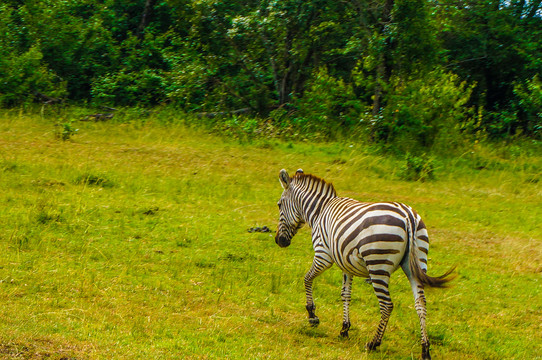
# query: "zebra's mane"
{"points": [[308, 181]]}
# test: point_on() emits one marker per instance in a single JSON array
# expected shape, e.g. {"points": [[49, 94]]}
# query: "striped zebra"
{"points": [[369, 240]]}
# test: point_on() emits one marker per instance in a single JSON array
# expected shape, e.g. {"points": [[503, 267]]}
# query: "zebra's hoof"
{"points": [[344, 330], [425, 353], [372, 345], [314, 321]]}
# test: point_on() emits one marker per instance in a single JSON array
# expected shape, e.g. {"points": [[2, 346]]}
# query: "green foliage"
{"points": [[24, 75], [327, 106], [65, 131], [335, 62], [74, 42], [418, 168], [530, 101], [127, 88], [422, 111], [495, 45], [412, 37], [188, 82]]}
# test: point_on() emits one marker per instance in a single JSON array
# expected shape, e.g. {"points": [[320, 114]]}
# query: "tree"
{"points": [[494, 44], [262, 53], [23, 71]]}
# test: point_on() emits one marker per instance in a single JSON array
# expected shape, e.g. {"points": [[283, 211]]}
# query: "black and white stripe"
{"points": [[369, 240]]}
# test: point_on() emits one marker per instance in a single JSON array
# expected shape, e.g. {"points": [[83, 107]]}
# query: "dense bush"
{"points": [[421, 110], [25, 75], [530, 103], [329, 105], [128, 88]]}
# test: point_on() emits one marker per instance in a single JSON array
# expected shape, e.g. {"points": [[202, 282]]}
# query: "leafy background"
{"points": [[401, 72]]}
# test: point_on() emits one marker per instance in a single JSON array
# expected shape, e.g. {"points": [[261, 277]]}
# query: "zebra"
{"points": [[368, 240]]}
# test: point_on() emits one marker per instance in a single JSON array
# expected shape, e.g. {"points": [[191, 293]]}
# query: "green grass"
{"points": [[129, 241]]}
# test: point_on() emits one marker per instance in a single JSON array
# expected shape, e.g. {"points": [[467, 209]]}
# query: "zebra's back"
{"points": [[370, 239]]}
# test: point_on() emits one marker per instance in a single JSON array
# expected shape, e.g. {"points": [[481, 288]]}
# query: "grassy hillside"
{"points": [[129, 241]]}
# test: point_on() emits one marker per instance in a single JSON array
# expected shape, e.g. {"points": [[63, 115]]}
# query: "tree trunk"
{"points": [[383, 69], [380, 71], [149, 4]]}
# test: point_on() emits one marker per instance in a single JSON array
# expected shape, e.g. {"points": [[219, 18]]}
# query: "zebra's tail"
{"points": [[417, 271]]}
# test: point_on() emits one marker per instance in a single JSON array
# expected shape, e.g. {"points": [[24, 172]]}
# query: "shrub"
{"points": [[418, 168], [530, 101], [328, 105], [24, 75], [422, 110], [65, 131], [130, 88], [188, 83]]}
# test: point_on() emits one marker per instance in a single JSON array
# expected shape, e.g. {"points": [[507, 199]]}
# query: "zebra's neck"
{"points": [[313, 194]]}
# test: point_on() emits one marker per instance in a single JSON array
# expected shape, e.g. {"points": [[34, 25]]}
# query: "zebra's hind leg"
{"points": [[380, 279], [346, 296], [319, 265], [422, 312], [419, 304]]}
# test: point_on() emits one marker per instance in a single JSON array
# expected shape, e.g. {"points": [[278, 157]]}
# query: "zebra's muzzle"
{"points": [[282, 241]]}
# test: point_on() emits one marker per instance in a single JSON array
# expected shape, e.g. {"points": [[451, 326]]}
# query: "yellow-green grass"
{"points": [[130, 241]]}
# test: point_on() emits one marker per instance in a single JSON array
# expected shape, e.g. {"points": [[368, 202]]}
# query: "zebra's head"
{"points": [[290, 215]]}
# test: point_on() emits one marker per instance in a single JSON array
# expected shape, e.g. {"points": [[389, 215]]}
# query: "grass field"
{"points": [[129, 241]]}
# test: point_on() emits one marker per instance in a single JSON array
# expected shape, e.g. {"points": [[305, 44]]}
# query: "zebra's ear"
{"points": [[299, 171], [284, 179]]}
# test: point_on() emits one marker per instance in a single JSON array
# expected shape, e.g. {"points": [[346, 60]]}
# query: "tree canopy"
{"points": [[400, 67]]}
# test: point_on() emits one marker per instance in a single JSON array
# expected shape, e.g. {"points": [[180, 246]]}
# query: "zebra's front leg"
{"points": [[346, 296], [319, 265]]}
